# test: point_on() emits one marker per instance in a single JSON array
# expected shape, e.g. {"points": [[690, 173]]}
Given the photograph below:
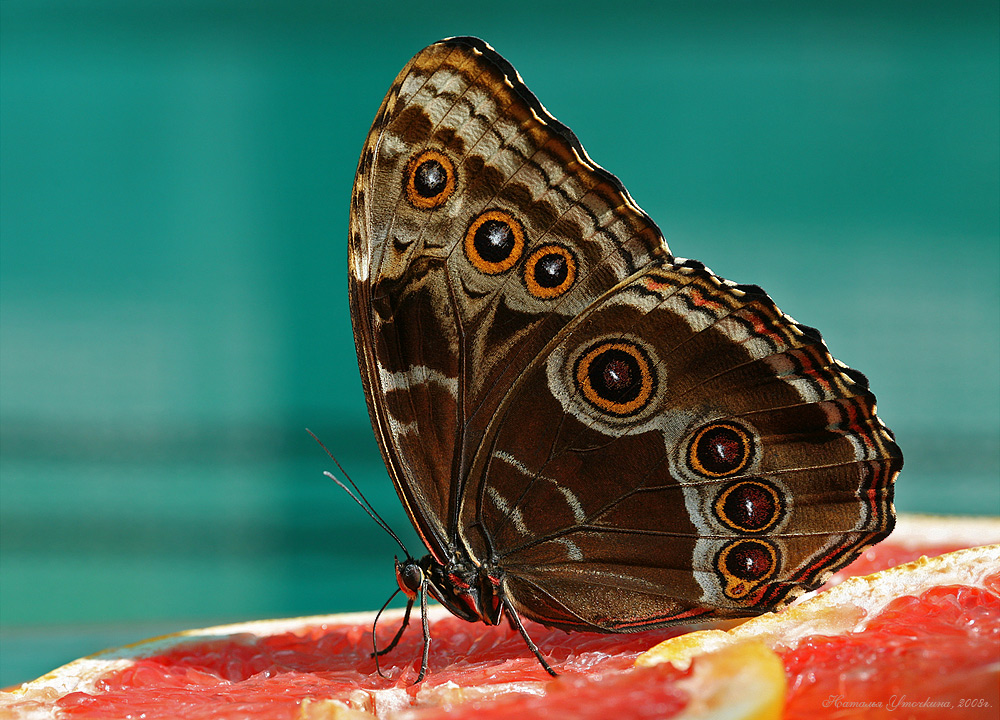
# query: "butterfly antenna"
{"points": [[359, 497]]}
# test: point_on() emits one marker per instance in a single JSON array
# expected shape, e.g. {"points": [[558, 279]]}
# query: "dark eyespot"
{"points": [[430, 179], [744, 565], [550, 271], [751, 506], [749, 561], [616, 377], [720, 450], [494, 242]]}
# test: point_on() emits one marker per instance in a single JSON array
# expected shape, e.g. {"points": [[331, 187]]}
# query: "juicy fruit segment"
{"points": [[922, 638], [922, 655], [654, 693], [743, 682]]}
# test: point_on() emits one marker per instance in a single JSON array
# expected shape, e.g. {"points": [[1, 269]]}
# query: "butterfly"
{"points": [[584, 429]]}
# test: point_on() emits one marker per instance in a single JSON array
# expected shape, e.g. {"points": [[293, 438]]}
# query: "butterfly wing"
{"points": [[682, 449], [479, 228]]}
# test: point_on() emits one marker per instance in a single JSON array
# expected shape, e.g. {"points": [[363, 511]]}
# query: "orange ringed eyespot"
{"points": [[720, 449], [744, 565], [616, 377], [430, 179], [550, 271], [750, 506], [494, 242]]}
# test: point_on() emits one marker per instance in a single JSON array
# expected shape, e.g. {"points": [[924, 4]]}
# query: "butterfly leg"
{"points": [[516, 621], [399, 633], [427, 634]]}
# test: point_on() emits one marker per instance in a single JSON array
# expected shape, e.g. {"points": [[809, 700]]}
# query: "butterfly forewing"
{"points": [[457, 283]]}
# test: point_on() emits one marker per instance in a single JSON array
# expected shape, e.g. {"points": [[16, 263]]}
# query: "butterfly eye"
{"points": [[750, 506], [616, 377], [430, 179], [745, 564], [494, 242], [550, 271], [720, 449]]}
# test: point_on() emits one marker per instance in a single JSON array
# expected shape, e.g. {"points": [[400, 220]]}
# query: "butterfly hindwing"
{"points": [[696, 452]]}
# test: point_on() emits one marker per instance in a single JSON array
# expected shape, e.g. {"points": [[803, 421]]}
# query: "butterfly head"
{"points": [[410, 577]]}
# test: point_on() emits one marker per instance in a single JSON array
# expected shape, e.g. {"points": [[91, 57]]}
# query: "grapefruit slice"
{"points": [[922, 638], [320, 667], [267, 669]]}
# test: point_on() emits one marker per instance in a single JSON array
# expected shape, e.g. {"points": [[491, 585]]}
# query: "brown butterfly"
{"points": [[585, 430]]}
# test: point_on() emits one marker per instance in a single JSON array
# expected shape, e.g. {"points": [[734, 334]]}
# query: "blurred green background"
{"points": [[175, 179]]}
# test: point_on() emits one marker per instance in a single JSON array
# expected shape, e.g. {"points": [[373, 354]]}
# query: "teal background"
{"points": [[174, 189]]}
